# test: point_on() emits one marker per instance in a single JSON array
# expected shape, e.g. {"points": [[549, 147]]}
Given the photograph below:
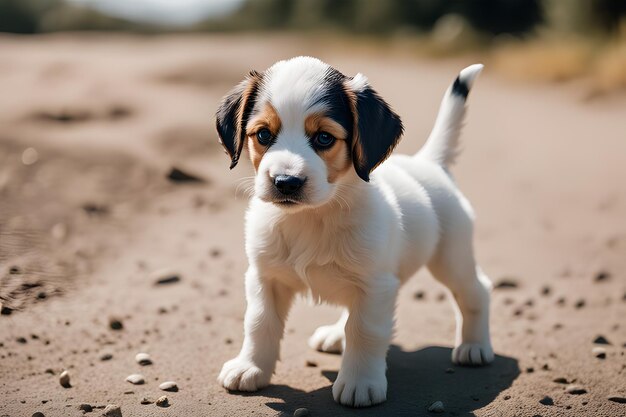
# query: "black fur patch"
{"points": [[226, 116], [459, 88], [379, 128]]}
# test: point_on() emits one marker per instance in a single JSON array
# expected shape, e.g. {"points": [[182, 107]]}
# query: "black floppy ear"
{"points": [[377, 129], [233, 113]]}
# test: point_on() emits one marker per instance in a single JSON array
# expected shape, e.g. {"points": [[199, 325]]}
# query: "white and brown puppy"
{"points": [[323, 222]]}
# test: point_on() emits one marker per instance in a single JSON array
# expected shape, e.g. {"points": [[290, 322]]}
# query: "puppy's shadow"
{"points": [[416, 380]]}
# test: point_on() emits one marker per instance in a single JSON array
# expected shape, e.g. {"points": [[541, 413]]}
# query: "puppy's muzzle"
{"points": [[288, 184]]}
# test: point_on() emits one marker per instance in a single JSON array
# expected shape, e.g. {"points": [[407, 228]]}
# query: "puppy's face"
{"points": [[305, 126]]}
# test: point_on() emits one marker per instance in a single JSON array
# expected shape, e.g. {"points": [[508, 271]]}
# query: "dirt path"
{"points": [[85, 225]]}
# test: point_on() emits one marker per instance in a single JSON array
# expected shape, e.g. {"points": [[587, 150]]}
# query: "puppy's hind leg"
{"points": [[453, 265], [331, 338]]}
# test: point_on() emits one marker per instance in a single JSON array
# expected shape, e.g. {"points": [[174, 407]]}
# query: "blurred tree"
{"points": [[502, 16]]}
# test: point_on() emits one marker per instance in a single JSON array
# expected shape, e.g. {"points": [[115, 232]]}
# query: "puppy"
{"points": [[329, 219]]}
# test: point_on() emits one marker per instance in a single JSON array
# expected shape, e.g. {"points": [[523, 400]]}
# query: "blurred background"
{"points": [[121, 226]]}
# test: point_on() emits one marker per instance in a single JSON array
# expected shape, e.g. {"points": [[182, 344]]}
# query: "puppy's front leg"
{"points": [[361, 381], [264, 322]]}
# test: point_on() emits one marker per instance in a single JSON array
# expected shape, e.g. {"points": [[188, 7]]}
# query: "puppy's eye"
{"points": [[323, 140], [264, 136]]}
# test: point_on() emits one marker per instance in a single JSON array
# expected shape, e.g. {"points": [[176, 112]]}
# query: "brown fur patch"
{"points": [[268, 118], [357, 153], [337, 157]]}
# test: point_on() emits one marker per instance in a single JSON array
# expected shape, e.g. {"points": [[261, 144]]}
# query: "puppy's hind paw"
{"points": [[242, 375], [328, 339], [473, 354]]}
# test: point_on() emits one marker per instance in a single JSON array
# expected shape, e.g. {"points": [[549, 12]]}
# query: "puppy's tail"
{"points": [[442, 145]]}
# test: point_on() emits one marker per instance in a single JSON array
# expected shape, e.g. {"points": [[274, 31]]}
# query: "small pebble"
{"points": [[165, 276], [419, 295], [180, 176], [38, 414], [112, 411], [136, 379], [599, 352], [601, 340], [162, 401], [506, 283], [115, 323], [602, 276], [143, 359], [575, 390], [169, 386], [64, 379], [617, 399], [507, 397], [560, 380], [546, 401], [106, 357], [87, 408], [146, 401], [311, 364], [436, 407], [530, 370], [546, 290], [301, 412], [580, 303]]}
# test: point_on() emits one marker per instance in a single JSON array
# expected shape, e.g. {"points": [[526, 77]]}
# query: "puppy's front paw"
{"points": [[358, 391], [242, 375], [328, 339], [473, 354]]}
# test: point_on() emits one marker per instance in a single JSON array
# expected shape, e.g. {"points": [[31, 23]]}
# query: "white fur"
{"points": [[353, 244]]}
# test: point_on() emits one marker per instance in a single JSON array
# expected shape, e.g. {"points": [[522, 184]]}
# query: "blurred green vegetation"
{"points": [[488, 18]]}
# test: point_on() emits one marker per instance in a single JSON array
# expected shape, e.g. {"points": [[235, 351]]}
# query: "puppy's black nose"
{"points": [[288, 184]]}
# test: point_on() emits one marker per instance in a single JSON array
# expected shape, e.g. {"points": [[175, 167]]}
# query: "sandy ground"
{"points": [[88, 215]]}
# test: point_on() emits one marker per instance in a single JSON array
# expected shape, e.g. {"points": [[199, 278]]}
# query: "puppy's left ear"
{"points": [[233, 113], [377, 128]]}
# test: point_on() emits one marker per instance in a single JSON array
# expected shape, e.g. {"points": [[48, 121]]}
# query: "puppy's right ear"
{"points": [[233, 113]]}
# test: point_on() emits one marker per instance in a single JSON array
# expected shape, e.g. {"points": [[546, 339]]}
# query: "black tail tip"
{"points": [[460, 88]]}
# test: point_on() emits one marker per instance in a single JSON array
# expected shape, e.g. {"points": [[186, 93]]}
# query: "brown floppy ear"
{"points": [[233, 113], [377, 129]]}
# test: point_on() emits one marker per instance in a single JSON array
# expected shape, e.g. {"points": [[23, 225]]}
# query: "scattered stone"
{"points": [[169, 386], [38, 414], [143, 359], [178, 175], [441, 296], [146, 401], [506, 283], [215, 253], [21, 340], [419, 295], [106, 357], [602, 276], [617, 399], [599, 352], [112, 411], [530, 370], [311, 364], [546, 401], [50, 371], [545, 367], [560, 380], [5, 311], [301, 412], [165, 276], [87, 408], [580, 304], [507, 397], [115, 323], [601, 340], [561, 301], [95, 209], [64, 379], [546, 290], [436, 407], [162, 401], [136, 379], [14, 270], [575, 390]]}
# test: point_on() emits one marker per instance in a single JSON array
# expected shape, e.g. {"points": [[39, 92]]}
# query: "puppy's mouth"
{"points": [[286, 203]]}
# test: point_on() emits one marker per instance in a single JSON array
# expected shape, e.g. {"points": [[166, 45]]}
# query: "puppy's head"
{"points": [[306, 126]]}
